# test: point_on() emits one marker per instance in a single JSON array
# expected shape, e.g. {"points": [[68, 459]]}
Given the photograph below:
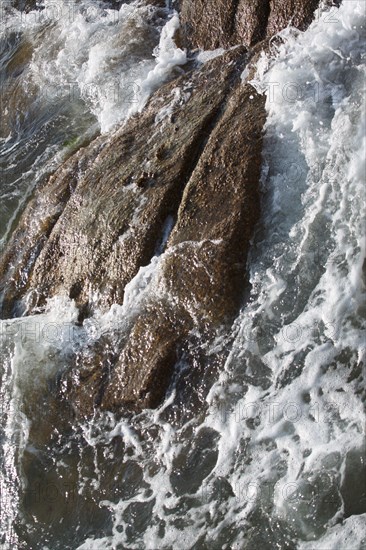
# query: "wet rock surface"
{"points": [[202, 272], [35, 227], [114, 205], [188, 165], [25, 5], [222, 24], [297, 13]]}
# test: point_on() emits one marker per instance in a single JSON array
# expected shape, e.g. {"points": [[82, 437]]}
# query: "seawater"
{"points": [[272, 453]]}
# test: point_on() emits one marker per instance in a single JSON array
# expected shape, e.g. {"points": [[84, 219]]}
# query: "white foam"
{"points": [[207, 55], [168, 56], [102, 56]]}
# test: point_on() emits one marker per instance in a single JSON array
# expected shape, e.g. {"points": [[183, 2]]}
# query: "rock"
{"points": [[201, 278], [208, 25], [14, 99], [145, 367], [34, 228], [114, 206], [192, 159], [202, 271], [251, 21], [297, 13], [83, 385], [225, 183], [222, 24], [25, 5], [353, 488]]}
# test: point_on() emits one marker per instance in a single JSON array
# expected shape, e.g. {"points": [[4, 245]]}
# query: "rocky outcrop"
{"points": [[188, 165], [222, 24], [203, 268], [102, 215], [112, 199], [201, 276], [297, 13]]}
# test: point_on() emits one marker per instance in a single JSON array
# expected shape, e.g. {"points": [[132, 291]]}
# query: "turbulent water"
{"points": [[67, 72], [271, 452]]}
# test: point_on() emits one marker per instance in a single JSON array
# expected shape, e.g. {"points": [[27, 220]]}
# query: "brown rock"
{"points": [[222, 24], [145, 366], [82, 387], [297, 13], [89, 230], [251, 21], [203, 270], [194, 156], [208, 25], [35, 226]]}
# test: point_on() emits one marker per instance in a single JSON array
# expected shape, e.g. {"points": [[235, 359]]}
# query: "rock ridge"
{"points": [[177, 184]]}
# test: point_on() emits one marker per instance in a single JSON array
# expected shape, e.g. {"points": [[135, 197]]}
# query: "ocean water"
{"points": [[67, 73], [271, 451]]}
